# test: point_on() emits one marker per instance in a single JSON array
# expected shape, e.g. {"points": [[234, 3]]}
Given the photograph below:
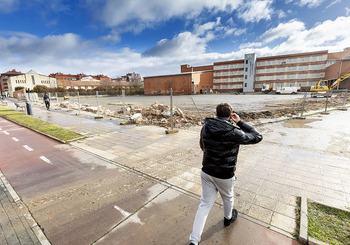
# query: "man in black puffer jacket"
{"points": [[220, 140]]}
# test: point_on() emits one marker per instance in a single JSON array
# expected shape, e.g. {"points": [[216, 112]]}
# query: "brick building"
{"points": [[81, 81], [301, 70], [191, 80], [339, 64], [180, 84], [4, 87]]}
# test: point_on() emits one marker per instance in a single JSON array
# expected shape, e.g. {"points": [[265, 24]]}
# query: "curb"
{"points": [[25, 211], [303, 237]]}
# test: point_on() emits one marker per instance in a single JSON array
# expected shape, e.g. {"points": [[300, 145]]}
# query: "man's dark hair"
{"points": [[224, 110]]}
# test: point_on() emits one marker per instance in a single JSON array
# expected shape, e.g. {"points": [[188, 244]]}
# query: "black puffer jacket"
{"points": [[220, 141]]}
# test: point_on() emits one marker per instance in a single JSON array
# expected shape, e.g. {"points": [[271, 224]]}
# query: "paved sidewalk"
{"points": [[306, 159], [16, 223]]}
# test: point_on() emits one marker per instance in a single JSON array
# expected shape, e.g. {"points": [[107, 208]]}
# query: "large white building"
{"points": [[29, 80], [251, 73]]}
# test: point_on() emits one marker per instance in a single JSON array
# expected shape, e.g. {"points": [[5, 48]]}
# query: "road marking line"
{"points": [[133, 217], [15, 139], [5, 132], [45, 159], [28, 148]]}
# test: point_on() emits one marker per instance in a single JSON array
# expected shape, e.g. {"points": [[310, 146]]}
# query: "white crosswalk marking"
{"points": [[15, 139], [28, 148], [5, 132], [45, 159]]}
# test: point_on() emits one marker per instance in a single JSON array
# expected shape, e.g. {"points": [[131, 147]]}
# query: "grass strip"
{"points": [[328, 224], [36, 124]]}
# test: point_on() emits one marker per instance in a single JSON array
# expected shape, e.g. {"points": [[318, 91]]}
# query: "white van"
{"points": [[287, 90]]}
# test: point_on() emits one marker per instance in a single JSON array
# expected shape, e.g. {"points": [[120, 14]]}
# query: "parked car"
{"points": [[287, 90]]}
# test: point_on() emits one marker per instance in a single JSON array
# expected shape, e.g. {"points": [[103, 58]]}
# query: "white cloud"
{"points": [[333, 3], [239, 32], [202, 29], [294, 37], [256, 10], [250, 45], [29, 48], [187, 43], [140, 13], [281, 14], [307, 3], [283, 30], [183, 44], [328, 35]]}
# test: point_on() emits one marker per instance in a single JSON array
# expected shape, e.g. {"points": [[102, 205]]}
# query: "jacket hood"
{"points": [[217, 125]]}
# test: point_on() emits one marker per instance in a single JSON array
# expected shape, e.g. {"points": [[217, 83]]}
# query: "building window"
{"points": [[245, 84], [245, 77], [33, 80]]}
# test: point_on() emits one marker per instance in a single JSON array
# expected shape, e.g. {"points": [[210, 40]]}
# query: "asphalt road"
{"points": [[75, 197]]}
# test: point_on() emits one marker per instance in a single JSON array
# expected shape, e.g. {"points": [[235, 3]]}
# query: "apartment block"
{"points": [[228, 76], [251, 73]]}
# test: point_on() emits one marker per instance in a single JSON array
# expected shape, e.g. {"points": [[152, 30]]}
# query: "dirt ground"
{"points": [[252, 109], [270, 110]]}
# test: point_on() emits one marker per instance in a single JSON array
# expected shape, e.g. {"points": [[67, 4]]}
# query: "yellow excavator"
{"points": [[323, 86]]}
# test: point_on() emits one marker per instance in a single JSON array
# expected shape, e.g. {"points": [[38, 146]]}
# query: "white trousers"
{"points": [[210, 188]]}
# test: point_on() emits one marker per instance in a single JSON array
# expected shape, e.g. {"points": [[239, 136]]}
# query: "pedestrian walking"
{"points": [[220, 140], [47, 101]]}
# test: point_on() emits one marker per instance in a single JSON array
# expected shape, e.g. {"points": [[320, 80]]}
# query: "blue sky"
{"points": [[154, 37]]}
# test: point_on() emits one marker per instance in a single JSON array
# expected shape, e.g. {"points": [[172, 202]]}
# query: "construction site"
{"points": [[191, 110]]}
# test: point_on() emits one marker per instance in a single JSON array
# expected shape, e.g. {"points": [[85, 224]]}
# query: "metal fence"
{"points": [[187, 110]]}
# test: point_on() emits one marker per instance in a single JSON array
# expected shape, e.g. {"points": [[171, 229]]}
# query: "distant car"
{"points": [[287, 90]]}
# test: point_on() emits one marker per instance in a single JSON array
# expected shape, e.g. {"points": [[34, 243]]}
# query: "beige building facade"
{"points": [[29, 80]]}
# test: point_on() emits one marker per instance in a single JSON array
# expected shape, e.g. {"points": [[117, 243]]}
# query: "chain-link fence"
{"points": [[189, 110]]}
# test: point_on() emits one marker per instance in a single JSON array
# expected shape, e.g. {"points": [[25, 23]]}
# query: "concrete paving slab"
{"points": [[168, 219]]}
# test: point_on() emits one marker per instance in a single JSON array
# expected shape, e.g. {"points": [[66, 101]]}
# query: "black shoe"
{"points": [[191, 243], [227, 222]]}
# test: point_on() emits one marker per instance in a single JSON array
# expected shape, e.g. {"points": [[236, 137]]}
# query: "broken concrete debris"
{"points": [[159, 114], [156, 114]]}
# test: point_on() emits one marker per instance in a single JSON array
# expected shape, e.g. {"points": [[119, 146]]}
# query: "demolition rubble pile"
{"points": [[159, 114], [156, 114]]}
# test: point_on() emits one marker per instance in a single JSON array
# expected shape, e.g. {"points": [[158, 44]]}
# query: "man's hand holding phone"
{"points": [[235, 117]]}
